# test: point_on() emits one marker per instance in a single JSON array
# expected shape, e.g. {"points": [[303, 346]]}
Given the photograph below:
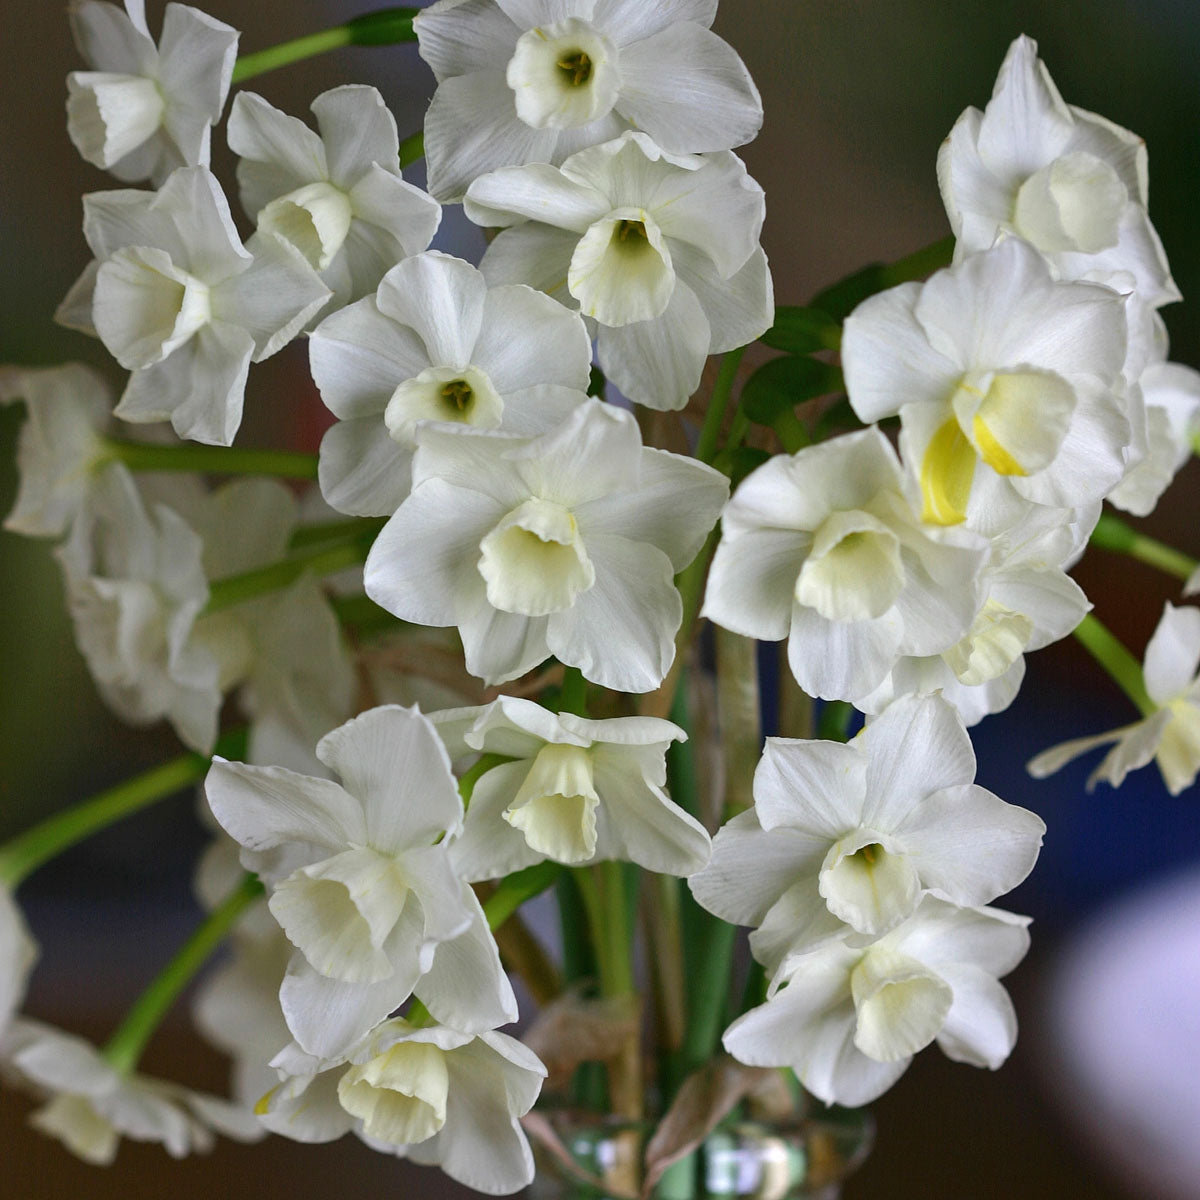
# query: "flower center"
{"points": [[900, 1005], [400, 1095], [854, 571], [314, 218], [1074, 203], [576, 66], [866, 885], [621, 270], [464, 395], [534, 561], [555, 807], [110, 116], [563, 75]]}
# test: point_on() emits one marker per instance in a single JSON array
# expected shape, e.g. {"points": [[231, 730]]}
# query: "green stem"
{"points": [[125, 1047], [515, 889], [573, 696], [710, 432], [213, 460], [466, 785], [1111, 533], [329, 531], [833, 724], [29, 850], [383, 28], [412, 148], [322, 559], [1117, 661]]}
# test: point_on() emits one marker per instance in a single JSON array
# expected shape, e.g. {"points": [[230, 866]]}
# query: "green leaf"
{"points": [[803, 330], [781, 384]]}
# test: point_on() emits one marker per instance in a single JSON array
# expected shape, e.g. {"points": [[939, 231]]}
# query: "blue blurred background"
{"points": [[858, 97]]}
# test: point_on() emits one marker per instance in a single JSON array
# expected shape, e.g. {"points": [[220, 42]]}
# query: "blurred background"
{"points": [[858, 96]]}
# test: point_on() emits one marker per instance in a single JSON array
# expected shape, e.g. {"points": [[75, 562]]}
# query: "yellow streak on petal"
{"points": [[992, 452], [946, 474]]}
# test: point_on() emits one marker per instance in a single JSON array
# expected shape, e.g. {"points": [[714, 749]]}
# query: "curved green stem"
{"points": [[412, 148], [383, 28], [214, 460], [1111, 533], [710, 432], [31, 849], [125, 1047], [1112, 655], [573, 696], [321, 559]]}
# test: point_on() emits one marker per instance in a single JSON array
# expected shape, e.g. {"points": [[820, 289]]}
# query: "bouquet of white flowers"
{"points": [[467, 638]]}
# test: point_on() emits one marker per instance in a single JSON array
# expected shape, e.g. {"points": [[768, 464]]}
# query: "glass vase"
{"points": [[806, 1158]]}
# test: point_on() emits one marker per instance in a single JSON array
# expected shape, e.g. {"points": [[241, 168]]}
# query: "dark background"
{"points": [[858, 95]]}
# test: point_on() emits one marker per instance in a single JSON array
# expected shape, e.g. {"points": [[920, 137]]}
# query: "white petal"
{"points": [[266, 807], [915, 747], [306, 1109], [675, 505], [752, 582], [18, 953], [503, 348], [1173, 653], [869, 885], [113, 40], [535, 193], [392, 761], [357, 130], [631, 20], [471, 128], [462, 36], [750, 870], [467, 987], [279, 153], [489, 847], [621, 632], [499, 646], [362, 470], [900, 1005], [393, 217], [740, 308], [419, 560], [838, 660], [816, 787], [981, 1026], [537, 255], [689, 90], [645, 825], [659, 362], [441, 299]]}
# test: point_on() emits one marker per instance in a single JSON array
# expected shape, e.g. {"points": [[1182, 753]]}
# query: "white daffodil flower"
{"points": [[435, 343], [849, 1019], [362, 884], [435, 1095], [178, 300], [822, 548], [337, 197], [1171, 734], [1067, 181], [1027, 601], [577, 791], [660, 250], [1171, 392], [1005, 382], [533, 81], [135, 588], [857, 834], [60, 446], [91, 1105], [566, 543], [143, 110], [18, 953]]}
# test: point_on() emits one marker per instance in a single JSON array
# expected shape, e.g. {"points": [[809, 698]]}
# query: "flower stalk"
{"points": [[1112, 655], [1111, 533], [212, 460], [386, 27], [125, 1047]]}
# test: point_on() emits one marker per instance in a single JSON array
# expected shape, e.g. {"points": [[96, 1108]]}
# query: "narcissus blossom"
{"points": [[1005, 382], [18, 953], [60, 445], [848, 1019], [1170, 734], [1026, 601], [178, 300], [576, 791], [660, 250], [135, 588], [857, 834], [435, 343], [143, 110], [91, 1105], [1171, 392], [566, 543], [529, 81], [435, 1095], [823, 548], [338, 198], [361, 882], [1067, 181]]}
